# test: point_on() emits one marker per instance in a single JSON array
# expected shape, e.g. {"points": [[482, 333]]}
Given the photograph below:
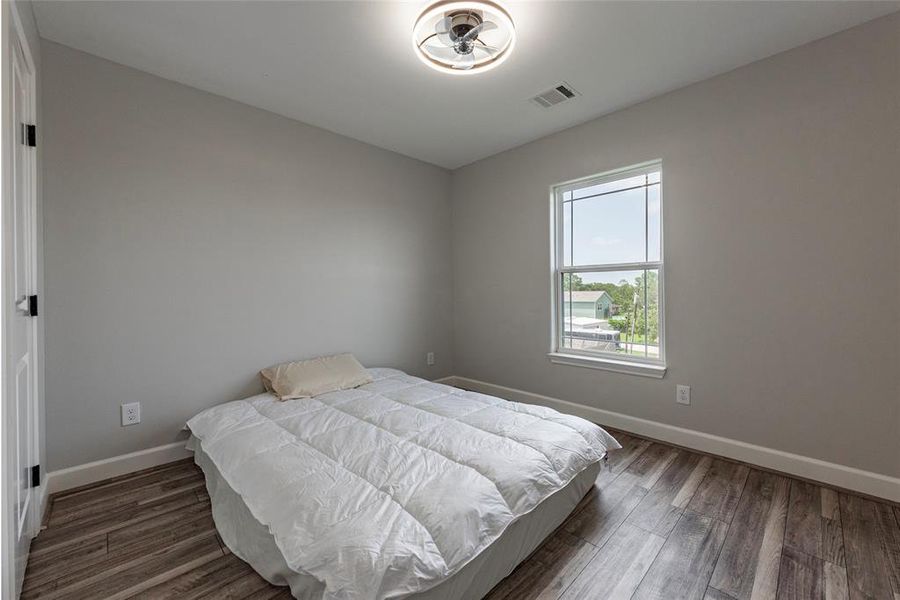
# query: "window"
{"points": [[608, 252]]}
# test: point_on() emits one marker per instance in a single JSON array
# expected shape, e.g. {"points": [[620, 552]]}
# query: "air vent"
{"points": [[555, 95]]}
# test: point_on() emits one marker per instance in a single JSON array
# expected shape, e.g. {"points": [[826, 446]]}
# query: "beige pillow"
{"points": [[313, 377]]}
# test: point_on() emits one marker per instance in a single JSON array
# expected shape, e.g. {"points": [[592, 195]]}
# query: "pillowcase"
{"points": [[316, 376]]}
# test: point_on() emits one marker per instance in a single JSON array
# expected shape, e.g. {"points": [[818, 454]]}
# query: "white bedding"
{"points": [[251, 541], [391, 488]]}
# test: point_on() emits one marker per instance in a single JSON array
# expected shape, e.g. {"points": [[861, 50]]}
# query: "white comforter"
{"points": [[390, 488]]}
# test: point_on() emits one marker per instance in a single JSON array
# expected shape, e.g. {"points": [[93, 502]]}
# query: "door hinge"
{"points": [[36, 476], [30, 135], [32, 306]]}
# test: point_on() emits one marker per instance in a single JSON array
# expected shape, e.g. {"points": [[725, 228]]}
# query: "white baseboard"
{"points": [[78, 475], [866, 482]]}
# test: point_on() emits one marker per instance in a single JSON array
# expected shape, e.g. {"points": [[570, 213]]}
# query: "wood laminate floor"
{"points": [[662, 522]]}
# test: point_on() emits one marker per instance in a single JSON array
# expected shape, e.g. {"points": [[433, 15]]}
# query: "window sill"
{"points": [[608, 364]]}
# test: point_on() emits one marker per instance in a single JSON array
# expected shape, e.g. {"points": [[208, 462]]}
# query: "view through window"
{"points": [[609, 265]]}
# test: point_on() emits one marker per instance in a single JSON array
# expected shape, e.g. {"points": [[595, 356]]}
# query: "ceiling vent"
{"points": [[555, 95]]}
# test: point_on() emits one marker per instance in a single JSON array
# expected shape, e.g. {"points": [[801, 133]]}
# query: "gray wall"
{"points": [[192, 240], [781, 215]]}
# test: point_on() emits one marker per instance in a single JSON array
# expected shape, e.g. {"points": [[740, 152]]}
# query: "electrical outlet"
{"points": [[131, 414], [429, 359], [683, 394]]}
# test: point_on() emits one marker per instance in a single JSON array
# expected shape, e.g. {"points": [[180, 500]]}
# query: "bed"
{"points": [[400, 488]]}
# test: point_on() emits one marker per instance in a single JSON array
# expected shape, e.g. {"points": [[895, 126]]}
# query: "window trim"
{"points": [[635, 365]]}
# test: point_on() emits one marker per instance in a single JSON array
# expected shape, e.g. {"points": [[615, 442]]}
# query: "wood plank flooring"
{"points": [[661, 522]]}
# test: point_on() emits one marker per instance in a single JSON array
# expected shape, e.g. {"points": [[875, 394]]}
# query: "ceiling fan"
{"points": [[452, 37]]}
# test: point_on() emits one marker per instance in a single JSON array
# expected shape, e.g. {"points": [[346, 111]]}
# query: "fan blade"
{"points": [[488, 26], [478, 30], [491, 50], [472, 33], [465, 62], [480, 54], [446, 39], [484, 53], [444, 31], [441, 52], [444, 25]]}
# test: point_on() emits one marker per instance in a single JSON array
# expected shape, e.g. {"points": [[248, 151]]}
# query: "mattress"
{"points": [[251, 541], [391, 489]]}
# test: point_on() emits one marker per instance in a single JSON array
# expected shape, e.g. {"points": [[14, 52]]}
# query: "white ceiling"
{"points": [[349, 67]]}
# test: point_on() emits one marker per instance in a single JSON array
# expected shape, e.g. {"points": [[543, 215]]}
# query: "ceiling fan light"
{"points": [[446, 24]]}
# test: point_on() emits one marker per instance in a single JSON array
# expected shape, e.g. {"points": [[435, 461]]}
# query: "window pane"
{"points": [[609, 229], [613, 312], [594, 306], [646, 333], [620, 225], [654, 226], [567, 229]]}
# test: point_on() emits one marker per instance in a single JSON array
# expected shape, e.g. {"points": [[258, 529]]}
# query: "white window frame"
{"points": [[635, 365]]}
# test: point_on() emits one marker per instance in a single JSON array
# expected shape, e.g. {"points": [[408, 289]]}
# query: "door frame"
{"points": [[13, 33]]}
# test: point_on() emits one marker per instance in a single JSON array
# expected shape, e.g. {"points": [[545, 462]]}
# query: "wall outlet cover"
{"points": [[683, 394], [131, 414]]}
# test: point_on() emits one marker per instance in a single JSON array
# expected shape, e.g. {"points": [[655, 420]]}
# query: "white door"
{"points": [[22, 326]]}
